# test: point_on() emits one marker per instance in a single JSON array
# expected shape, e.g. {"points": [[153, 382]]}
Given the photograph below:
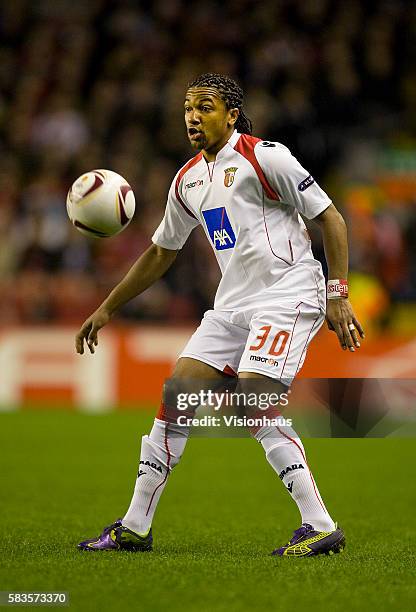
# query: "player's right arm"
{"points": [[149, 267], [170, 236]]}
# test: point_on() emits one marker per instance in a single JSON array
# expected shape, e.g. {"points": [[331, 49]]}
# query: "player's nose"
{"points": [[194, 118]]}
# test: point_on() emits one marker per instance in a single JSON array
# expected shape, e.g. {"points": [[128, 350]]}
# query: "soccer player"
{"points": [[247, 194]]}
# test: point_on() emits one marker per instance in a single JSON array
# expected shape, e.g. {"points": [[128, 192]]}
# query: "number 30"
{"points": [[278, 344]]}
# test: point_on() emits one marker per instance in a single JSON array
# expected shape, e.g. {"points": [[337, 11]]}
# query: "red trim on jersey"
{"points": [[291, 338], [317, 288], [306, 344], [180, 176], [270, 244], [245, 146], [222, 218], [229, 371], [211, 174]]}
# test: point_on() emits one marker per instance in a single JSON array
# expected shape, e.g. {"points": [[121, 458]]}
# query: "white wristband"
{"points": [[337, 288]]}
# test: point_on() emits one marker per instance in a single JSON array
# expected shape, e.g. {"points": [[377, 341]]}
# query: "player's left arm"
{"points": [[340, 316], [297, 188]]}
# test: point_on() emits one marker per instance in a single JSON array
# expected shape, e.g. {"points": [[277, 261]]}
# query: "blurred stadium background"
{"points": [[100, 84]]}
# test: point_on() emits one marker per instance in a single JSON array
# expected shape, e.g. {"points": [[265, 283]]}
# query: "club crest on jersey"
{"points": [[229, 176], [219, 228]]}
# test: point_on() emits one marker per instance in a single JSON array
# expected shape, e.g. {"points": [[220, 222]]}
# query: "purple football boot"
{"points": [[117, 537], [306, 542]]}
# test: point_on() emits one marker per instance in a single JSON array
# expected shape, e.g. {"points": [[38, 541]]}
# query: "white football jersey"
{"points": [[248, 202]]}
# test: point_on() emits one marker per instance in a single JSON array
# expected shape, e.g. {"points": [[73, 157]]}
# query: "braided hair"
{"points": [[230, 92]]}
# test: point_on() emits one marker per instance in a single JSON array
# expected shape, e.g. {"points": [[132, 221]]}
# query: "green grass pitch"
{"points": [[65, 475]]}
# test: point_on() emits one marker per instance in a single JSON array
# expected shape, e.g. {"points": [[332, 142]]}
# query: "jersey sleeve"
{"points": [[177, 223], [294, 185]]}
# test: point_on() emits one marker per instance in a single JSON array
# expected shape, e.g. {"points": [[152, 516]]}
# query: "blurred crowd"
{"points": [[100, 84]]}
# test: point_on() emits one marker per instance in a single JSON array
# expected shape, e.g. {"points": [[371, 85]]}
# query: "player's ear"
{"points": [[233, 116]]}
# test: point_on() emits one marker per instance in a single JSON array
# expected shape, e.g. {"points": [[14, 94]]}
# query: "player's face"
{"points": [[208, 121]]}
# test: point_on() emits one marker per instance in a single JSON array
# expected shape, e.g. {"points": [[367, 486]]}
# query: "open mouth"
{"points": [[194, 134]]}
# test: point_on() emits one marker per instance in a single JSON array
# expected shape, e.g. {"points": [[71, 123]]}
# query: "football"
{"points": [[100, 203]]}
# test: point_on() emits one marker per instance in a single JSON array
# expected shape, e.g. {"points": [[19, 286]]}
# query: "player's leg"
{"points": [[214, 349], [162, 449], [286, 454], [281, 354]]}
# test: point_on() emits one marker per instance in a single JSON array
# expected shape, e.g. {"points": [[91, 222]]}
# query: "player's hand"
{"points": [[341, 319], [89, 331]]}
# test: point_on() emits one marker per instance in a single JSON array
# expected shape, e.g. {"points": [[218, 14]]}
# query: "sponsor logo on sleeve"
{"points": [[306, 183], [266, 143], [219, 228]]}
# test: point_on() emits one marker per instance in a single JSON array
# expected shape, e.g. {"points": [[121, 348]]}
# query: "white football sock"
{"points": [[161, 450], [285, 453]]}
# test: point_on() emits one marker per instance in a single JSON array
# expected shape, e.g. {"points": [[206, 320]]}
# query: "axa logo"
{"points": [[219, 228], [151, 464], [197, 183], [229, 176], [306, 183], [222, 238], [267, 360], [290, 468]]}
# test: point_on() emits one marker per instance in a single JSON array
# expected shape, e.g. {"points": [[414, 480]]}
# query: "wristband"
{"points": [[337, 288]]}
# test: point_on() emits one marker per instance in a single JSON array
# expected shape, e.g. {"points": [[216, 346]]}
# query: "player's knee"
{"points": [[186, 367], [265, 391]]}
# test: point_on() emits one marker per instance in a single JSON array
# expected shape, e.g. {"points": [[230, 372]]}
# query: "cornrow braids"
{"points": [[230, 92]]}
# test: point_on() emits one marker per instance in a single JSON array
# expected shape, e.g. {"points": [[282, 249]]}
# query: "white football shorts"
{"points": [[272, 343]]}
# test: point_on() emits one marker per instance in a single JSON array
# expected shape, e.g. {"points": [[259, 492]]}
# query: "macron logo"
{"points": [[197, 183], [219, 228]]}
